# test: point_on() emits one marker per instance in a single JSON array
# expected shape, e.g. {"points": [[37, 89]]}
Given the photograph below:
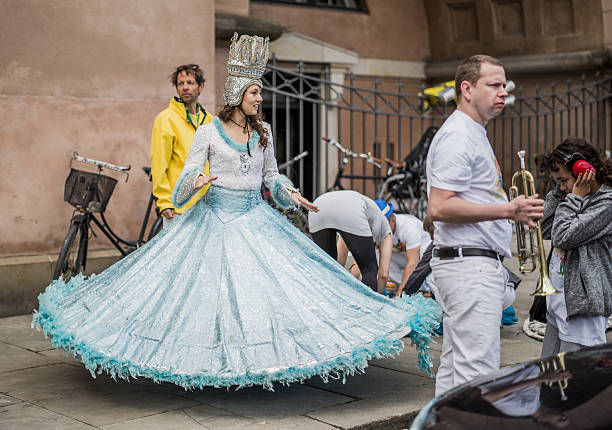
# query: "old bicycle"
{"points": [[90, 193], [407, 188]]}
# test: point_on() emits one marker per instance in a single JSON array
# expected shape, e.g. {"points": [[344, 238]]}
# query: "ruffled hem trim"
{"points": [[421, 324]]}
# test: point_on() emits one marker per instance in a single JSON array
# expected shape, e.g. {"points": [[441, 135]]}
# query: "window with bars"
{"points": [[352, 5]]}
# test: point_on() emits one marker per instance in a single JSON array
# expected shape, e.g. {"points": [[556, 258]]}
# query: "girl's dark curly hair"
{"points": [[602, 165], [256, 121]]}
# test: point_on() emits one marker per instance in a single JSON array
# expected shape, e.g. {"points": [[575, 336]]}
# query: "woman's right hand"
{"points": [[584, 184], [201, 181]]}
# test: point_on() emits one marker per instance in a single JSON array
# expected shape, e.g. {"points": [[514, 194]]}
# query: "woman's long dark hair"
{"points": [[256, 121], [602, 165]]}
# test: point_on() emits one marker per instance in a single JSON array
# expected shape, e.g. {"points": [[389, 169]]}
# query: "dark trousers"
{"points": [[362, 248]]}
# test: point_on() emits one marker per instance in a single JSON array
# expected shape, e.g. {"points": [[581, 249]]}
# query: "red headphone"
{"points": [[576, 162]]}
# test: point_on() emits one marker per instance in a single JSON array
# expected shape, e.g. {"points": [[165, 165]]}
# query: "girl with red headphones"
{"points": [[578, 220]]}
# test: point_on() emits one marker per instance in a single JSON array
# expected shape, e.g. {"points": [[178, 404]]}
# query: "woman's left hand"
{"points": [[299, 200]]}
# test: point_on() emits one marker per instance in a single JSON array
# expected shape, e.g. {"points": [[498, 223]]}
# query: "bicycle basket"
{"points": [[83, 188]]}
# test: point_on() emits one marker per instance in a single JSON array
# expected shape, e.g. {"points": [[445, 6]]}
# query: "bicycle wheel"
{"points": [[71, 259], [155, 228]]}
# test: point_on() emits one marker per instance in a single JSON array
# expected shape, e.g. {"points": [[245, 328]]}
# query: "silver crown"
{"points": [[245, 66]]}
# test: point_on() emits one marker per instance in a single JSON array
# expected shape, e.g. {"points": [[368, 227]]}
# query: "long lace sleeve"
{"points": [[183, 189], [279, 185]]}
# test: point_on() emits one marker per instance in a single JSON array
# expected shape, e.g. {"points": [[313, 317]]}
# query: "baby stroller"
{"points": [[407, 190]]}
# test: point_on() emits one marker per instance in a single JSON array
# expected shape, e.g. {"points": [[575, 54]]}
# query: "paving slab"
{"points": [[377, 382], [255, 402], [101, 409], [62, 356], [172, 420], [213, 418], [380, 394], [517, 347], [292, 423], [17, 331], [7, 400], [15, 358], [22, 416], [71, 391], [363, 412], [58, 380]]}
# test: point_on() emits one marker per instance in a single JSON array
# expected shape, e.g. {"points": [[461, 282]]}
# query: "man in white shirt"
{"points": [[410, 241], [470, 211]]}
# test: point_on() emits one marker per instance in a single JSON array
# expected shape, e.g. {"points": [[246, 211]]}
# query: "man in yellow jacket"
{"points": [[172, 137]]}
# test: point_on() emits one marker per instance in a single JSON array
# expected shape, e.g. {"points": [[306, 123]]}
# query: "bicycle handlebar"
{"points": [[99, 163], [293, 160], [368, 157], [102, 164]]}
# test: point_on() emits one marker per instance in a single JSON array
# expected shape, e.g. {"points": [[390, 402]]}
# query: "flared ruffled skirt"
{"points": [[231, 294]]}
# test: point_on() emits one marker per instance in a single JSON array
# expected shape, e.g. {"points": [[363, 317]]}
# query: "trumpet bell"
{"points": [[545, 287]]}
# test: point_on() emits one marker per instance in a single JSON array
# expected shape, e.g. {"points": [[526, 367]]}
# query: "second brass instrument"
{"points": [[530, 255]]}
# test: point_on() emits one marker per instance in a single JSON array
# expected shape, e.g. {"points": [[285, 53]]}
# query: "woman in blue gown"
{"points": [[231, 294]]}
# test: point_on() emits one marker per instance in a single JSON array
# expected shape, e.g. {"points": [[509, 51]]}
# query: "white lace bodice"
{"points": [[230, 161]]}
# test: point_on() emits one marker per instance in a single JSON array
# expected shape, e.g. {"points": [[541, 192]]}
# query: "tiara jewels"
{"points": [[246, 64]]}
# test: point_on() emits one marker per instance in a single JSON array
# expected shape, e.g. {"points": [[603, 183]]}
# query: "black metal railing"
{"points": [[386, 118]]}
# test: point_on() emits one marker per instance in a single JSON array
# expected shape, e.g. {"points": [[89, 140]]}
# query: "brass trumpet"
{"points": [[529, 256]]}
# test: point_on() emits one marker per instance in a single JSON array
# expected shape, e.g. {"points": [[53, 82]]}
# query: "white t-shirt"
{"points": [[409, 233], [349, 211], [461, 159], [586, 331]]}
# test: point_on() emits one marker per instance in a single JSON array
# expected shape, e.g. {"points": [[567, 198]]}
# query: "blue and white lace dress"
{"points": [[231, 294]]}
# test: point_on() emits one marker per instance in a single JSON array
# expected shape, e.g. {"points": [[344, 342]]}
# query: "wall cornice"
{"points": [[533, 64], [226, 24]]}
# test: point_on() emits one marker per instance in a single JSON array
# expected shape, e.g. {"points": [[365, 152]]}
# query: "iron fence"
{"points": [[387, 118]]}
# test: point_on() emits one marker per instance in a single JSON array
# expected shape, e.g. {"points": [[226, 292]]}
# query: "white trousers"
{"points": [[470, 291]]}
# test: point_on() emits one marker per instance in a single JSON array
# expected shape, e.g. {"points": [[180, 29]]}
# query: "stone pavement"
{"points": [[41, 388]]}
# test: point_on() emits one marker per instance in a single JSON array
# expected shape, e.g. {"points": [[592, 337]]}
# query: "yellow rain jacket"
{"points": [[170, 143]]}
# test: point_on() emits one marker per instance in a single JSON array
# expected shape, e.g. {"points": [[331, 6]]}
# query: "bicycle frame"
{"points": [[140, 241], [102, 224], [347, 153]]}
